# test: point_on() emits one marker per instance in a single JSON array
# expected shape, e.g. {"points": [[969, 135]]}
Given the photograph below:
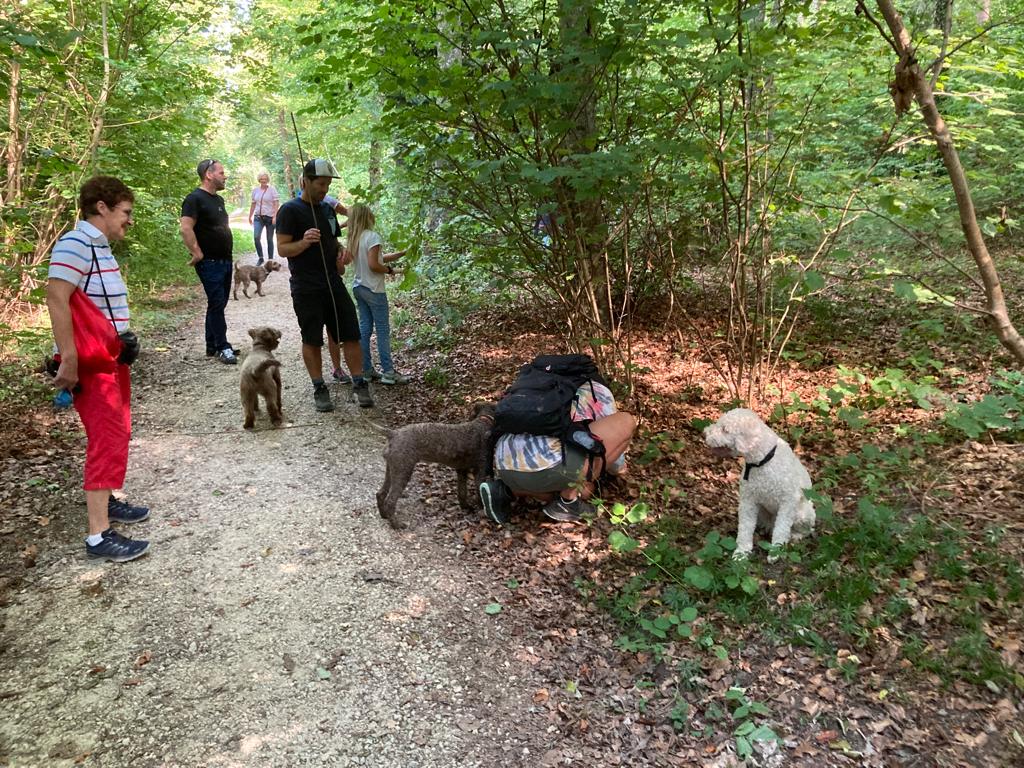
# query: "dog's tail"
{"points": [[237, 264], [265, 366]]}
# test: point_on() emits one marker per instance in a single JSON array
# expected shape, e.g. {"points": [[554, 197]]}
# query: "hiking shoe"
{"points": [[363, 396], [371, 375], [117, 548], [393, 377], [259, 262], [567, 511], [340, 376], [123, 512], [227, 356], [497, 500], [322, 398]]}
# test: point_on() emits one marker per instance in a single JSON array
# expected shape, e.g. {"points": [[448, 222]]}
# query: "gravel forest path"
{"points": [[276, 621]]}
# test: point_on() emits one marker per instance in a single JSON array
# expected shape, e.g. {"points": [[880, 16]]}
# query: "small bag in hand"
{"points": [[129, 348]]}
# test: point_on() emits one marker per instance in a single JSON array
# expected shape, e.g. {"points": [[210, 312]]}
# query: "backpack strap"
{"points": [[103, 286]]}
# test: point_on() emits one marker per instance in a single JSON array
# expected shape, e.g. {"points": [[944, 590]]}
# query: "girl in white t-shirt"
{"points": [[372, 265]]}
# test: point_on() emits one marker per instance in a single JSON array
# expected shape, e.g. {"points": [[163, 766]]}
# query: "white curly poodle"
{"points": [[773, 480]]}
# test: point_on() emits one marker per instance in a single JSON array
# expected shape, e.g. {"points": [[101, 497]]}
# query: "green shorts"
{"points": [[548, 480]]}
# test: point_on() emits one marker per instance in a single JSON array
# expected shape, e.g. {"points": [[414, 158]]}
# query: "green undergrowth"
{"points": [[878, 567], [903, 584]]}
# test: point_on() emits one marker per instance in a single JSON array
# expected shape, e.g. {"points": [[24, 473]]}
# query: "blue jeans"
{"points": [[215, 275], [373, 314], [258, 225]]}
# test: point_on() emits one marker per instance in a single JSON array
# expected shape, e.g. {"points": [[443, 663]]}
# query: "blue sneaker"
{"points": [[117, 548], [123, 512]]}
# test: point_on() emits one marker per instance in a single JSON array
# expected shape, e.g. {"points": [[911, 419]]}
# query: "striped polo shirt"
{"points": [[72, 261], [533, 453]]}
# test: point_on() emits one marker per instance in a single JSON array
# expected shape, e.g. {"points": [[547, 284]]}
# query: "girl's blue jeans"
{"points": [[373, 315]]}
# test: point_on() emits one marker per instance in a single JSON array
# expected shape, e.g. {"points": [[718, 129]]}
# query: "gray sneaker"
{"points": [[363, 396], [393, 377], [568, 511], [340, 376], [322, 398], [371, 375]]}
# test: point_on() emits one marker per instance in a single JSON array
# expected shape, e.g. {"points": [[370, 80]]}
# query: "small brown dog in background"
{"points": [[261, 375], [246, 273]]}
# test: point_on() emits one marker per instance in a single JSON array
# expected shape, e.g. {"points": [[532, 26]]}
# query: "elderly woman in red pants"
{"points": [[88, 305]]}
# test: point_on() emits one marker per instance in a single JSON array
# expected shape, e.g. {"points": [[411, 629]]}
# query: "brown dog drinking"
{"points": [[247, 273], [261, 375]]}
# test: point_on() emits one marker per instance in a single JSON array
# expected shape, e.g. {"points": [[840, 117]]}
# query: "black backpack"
{"points": [[539, 401]]}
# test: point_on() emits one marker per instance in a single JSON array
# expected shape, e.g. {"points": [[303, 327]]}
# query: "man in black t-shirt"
{"points": [[307, 235], [207, 235]]}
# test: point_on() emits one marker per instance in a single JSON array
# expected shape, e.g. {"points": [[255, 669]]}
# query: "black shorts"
{"points": [[315, 311]]}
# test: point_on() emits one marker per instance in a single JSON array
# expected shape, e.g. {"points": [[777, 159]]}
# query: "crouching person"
{"points": [[533, 466], [88, 305]]}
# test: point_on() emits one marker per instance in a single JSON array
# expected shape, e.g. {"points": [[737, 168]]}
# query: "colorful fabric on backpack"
{"points": [[532, 453]]}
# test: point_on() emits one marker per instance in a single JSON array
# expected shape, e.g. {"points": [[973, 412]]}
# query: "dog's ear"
{"points": [[254, 333], [277, 334]]}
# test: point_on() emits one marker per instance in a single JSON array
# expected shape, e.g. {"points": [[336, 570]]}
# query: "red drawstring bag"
{"points": [[95, 337]]}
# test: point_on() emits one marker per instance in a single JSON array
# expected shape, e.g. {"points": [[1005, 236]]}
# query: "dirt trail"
{"points": [[276, 621]]}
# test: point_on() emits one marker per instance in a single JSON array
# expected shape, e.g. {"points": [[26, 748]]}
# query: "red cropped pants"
{"points": [[104, 405]]}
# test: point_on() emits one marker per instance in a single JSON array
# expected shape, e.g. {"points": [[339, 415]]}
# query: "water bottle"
{"points": [[62, 400]]}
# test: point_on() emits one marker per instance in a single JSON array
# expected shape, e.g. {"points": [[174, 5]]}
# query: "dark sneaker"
{"points": [[393, 377], [259, 262], [322, 398], [117, 548], [363, 396], [123, 512], [497, 500], [371, 375], [214, 352], [340, 376], [227, 356], [567, 511]]}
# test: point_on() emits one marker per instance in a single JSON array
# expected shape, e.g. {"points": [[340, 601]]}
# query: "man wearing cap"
{"points": [[207, 235], [307, 235]]}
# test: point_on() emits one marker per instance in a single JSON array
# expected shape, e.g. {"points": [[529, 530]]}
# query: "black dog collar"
{"points": [[750, 465]]}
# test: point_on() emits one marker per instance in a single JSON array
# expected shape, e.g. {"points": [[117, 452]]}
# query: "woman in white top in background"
{"points": [[263, 215], [372, 265]]}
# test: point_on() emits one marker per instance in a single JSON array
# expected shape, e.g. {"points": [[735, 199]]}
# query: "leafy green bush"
{"points": [[1001, 411]]}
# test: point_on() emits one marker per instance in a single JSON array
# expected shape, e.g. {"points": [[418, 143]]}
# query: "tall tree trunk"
{"points": [[13, 149], [910, 83], [375, 162], [578, 222], [286, 152], [99, 113]]}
